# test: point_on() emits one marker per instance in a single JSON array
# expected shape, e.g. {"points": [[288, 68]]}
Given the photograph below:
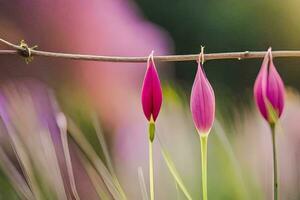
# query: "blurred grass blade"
{"points": [[219, 130], [24, 162], [95, 179], [15, 177], [69, 165], [174, 172], [53, 178], [31, 140], [61, 121], [105, 150], [142, 184], [88, 150], [177, 191]]}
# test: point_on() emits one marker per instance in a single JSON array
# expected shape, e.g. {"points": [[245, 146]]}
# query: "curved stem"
{"points": [[203, 141], [275, 174], [151, 174]]}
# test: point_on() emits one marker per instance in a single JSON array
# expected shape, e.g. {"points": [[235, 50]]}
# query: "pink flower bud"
{"points": [[269, 90], [202, 102], [151, 91]]}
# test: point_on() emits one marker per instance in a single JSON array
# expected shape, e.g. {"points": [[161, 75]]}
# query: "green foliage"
{"points": [[6, 190], [229, 25]]}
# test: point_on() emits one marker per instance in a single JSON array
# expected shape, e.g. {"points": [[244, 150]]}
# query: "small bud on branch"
{"points": [[269, 90]]}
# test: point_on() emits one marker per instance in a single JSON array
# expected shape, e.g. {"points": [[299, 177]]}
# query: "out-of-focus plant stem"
{"points": [[275, 174], [203, 143], [175, 174], [104, 147], [92, 156], [142, 184]]}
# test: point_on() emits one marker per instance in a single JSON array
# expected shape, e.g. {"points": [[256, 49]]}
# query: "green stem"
{"points": [[151, 174], [203, 141], [275, 174]]}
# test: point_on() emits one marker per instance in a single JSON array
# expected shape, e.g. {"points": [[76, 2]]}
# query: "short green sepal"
{"points": [[272, 113], [151, 131]]}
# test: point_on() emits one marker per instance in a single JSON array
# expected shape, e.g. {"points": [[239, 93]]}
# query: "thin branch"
{"points": [[19, 50]]}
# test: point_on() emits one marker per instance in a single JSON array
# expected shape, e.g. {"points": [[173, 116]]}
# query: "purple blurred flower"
{"points": [[151, 91], [202, 102], [269, 90]]}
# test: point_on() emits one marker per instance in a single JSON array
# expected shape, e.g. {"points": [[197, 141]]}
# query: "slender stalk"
{"points": [[19, 50], [275, 173], [151, 174], [151, 168], [203, 141]]}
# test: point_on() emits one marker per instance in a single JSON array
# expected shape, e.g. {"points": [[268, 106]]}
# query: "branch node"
{"points": [[246, 53], [26, 51], [243, 55], [201, 56]]}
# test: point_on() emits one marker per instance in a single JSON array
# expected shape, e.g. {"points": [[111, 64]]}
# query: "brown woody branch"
{"points": [[20, 50]]}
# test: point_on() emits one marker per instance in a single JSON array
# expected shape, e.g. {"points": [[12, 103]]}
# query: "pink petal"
{"points": [[275, 89], [151, 91], [260, 87], [202, 102], [269, 87]]}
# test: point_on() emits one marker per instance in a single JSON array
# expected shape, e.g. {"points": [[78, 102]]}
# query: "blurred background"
{"points": [[239, 160]]}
